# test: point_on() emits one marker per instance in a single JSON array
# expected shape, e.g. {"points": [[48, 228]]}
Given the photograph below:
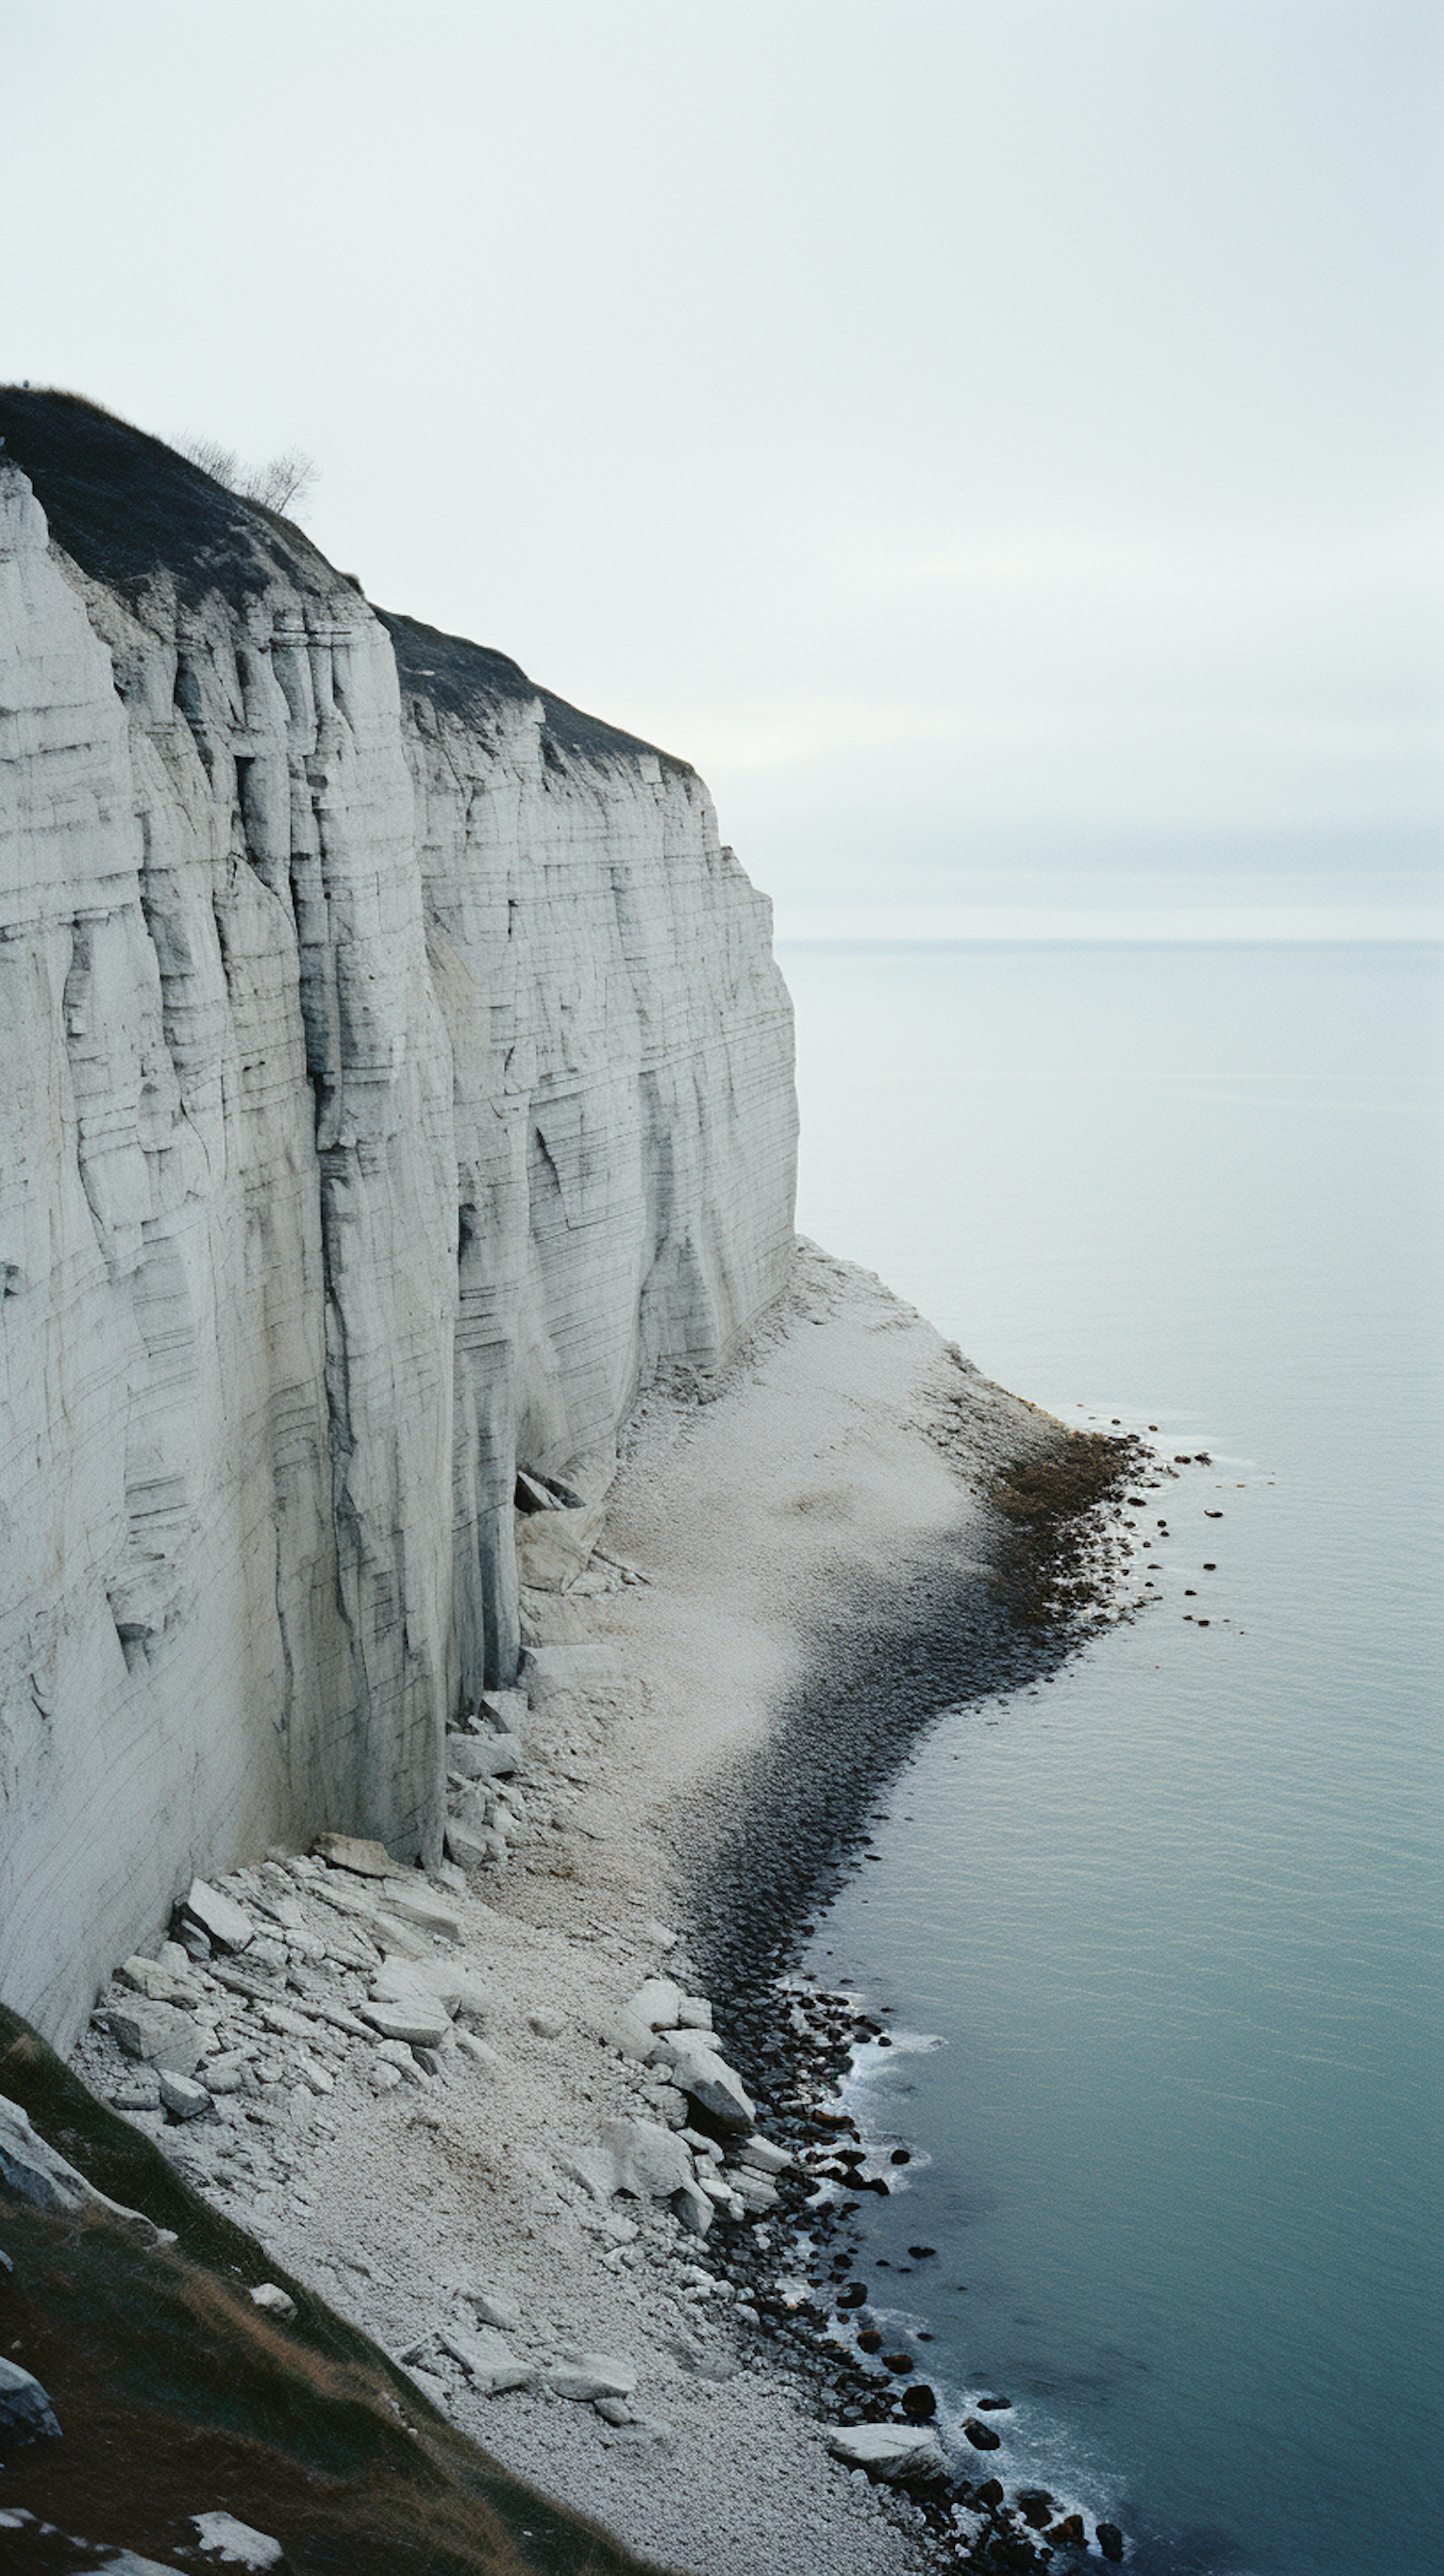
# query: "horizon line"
{"points": [[1272, 925]]}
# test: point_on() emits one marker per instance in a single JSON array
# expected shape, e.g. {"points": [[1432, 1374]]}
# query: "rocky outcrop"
{"points": [[395, 1074]]}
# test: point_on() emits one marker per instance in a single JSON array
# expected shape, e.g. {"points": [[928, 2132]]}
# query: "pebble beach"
{"points": [[556, 2122]]}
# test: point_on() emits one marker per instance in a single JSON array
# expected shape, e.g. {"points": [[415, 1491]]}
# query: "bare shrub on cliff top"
{"points": [[284, 485]]}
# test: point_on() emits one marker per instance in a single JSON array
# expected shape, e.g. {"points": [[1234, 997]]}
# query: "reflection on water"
{"points": [[1172, 1914]]}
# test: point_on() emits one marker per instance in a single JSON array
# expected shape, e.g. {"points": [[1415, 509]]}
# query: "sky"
{"points": [[998, 442]]}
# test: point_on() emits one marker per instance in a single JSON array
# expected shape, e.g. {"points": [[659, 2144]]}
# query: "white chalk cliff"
{"points": [[395, 1072]]}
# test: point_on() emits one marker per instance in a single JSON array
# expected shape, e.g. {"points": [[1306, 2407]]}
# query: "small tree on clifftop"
{"points": [[284, 485]]}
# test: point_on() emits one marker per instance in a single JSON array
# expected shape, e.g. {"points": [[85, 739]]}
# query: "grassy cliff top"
{"points": [[131, 511]]}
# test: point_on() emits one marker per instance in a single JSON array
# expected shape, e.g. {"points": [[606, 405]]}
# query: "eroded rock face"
{"points": [[395, 1072]]}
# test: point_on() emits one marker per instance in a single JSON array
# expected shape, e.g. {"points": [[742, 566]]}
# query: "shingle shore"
{"points": [[453, 2105]]}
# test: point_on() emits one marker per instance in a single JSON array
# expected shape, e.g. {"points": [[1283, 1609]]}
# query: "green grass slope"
{"points": [[176, 2396]]}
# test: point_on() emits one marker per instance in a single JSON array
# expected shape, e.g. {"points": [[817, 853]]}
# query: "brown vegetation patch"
{"points": [[1051, 1503], [177, 2396]]}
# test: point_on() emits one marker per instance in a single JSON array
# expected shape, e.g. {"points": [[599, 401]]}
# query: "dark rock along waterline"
{"points": [[878, 1680]]}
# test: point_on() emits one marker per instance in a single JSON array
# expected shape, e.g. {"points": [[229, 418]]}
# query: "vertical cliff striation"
{"points": [[395, 1074]]}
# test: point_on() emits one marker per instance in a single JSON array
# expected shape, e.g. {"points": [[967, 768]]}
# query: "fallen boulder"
{"points": [[279, 1906], [32, 2170], [631, 2038], [156, 2033], [183, 2098], [897, 2452], [225, 2072], [488, 2360], [484, 1757], [475, 1808], [158, 1984], [441, 1980], [273, 2301], [25, 2410], [395, 2052], [647, 2162], [412, 1901], [343, 1896], [506, 1709], [474, 1848], [586, 2376], [495, 2308], [283, 2023], [753, 2189], [421, 2021], [762, 2153], [406, 1938], [712, 2187], [235, 2544], [552, 1547], [349, 1851], [549, 1670], [658, 2003], [217, 1915], [706, 2080], [479, 2052]]}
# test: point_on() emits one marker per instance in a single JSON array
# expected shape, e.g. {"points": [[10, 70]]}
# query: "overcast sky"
{"points": [[998, 441]]}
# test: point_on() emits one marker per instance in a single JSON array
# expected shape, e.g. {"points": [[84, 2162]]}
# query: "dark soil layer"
{"points": [[458, 678], [130, 511], [176, 2396]]}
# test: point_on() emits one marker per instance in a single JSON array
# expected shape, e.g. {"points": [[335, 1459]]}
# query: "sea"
{"points": [[1160, 1941]]}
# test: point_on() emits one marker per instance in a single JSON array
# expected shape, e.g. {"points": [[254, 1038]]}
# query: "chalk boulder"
{"points": [[484, 1757], [488, 2360], [234, 2544], [706, 2079], [658, 2003], [897, 2452], [586, 2376], [496, 2308], [159, 1984], [422, 2021], [351, 1851], [31, 2169], [226, 1925], [412, 1901], [156, 2033], [26, 2413], [183, 2098]]}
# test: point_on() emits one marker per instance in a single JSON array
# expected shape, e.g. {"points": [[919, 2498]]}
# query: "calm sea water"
{"points": [[1172, 1921]]}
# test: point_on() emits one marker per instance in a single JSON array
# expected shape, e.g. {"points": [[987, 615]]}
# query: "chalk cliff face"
{"points": [[395, 1072]]}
